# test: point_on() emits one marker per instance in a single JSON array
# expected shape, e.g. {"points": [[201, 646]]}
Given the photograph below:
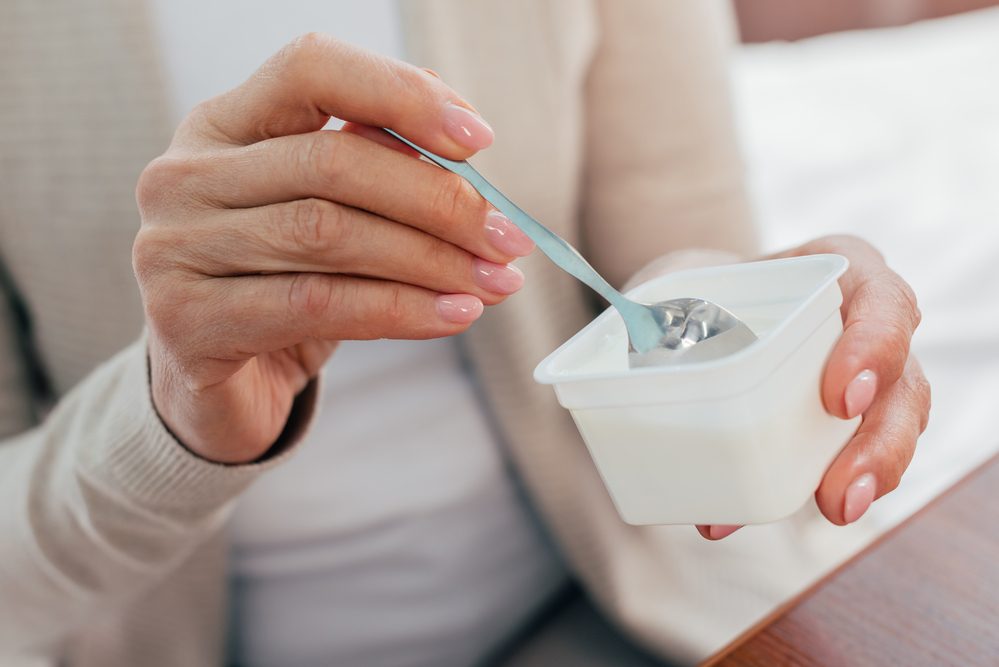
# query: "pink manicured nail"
{"points": [[467, 128], [459, 308], [506, 236], [859, 496], [718, 532], [860, 393], [499, 278]]}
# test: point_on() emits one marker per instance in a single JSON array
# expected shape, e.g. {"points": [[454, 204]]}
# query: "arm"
{"points": [[264, 241], [98, 502], [663, 170], [664, 174]]}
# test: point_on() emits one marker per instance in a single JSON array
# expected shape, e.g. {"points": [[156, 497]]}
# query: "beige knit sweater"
{"points": [[613, 127]]}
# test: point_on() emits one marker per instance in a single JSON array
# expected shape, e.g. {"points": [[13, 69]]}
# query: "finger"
{"points": [[351, 170], [379, 136], [872, 464], [245, 316], [318, 236], [317, 76], [880, 316], [717, 531]]}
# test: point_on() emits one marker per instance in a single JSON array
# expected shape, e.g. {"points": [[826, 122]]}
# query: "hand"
{"points": [[871, 373], [265, 240]]}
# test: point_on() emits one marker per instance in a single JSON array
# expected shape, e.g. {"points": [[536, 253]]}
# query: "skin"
{"points": [[265, 241], [880, 315]]}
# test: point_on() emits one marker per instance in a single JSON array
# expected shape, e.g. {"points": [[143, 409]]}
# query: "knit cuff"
{"points": [[136, 454]]}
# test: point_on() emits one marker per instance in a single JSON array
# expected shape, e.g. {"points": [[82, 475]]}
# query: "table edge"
{"points": [[798, 598]]}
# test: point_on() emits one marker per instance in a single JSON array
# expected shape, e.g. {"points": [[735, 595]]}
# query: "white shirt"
{"points": [[396, 535]]}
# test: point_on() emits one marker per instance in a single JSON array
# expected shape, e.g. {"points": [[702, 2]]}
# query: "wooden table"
{"points": [[927, 593]]}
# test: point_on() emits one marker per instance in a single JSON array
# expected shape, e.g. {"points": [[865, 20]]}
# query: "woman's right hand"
{"points": [[265, 240]]}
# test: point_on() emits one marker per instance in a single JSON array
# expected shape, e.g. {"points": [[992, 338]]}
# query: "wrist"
{"points": [[197, 421]]}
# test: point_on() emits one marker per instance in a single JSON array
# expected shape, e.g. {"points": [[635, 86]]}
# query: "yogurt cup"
{"points": [[737, 440]]}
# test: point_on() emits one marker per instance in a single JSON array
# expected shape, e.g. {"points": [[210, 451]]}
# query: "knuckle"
{"points": [[162, 313], [312, 295], [319, 154], [846, 240], [167, 305], [413, 83], [317, 227], [891, 481], [161, 180], [849, 242], [381, 314], [311, 44], [904, 311], [922, 393], [434, 258], [865, 301], [908, 301], [395, 309], [897, 335], [201, 119], [890, 456], [884, 316], [831, 242], [455, 199], [203, 109], [150, 253], [301, 54], [444, 259], [854, 247], [899, 462]]}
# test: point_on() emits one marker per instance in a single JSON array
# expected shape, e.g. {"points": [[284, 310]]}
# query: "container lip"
{"points": [[543, 373], [570, 401]]}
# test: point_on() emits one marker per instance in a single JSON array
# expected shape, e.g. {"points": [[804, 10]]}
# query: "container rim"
{"points": [[543, 373]]}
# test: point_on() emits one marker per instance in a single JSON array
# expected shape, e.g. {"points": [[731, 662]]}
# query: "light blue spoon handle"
{"points": [[554, 246]]}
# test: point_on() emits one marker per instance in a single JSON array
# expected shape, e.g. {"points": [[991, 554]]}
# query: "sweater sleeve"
{"points": [[663, 170], [99, 501]]}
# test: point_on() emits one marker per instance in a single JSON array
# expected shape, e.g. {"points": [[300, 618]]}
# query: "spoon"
{"points": [[673, 331]]}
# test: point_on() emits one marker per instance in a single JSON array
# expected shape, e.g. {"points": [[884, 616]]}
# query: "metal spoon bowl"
{"points": [[693, 330], [674, 331]]}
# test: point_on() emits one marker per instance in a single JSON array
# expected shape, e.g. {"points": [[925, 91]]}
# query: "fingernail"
{"points": [[459, 308], [860, 393], [859, 496], [718, 532], [506, 236], [467, 128], [499, 278]]}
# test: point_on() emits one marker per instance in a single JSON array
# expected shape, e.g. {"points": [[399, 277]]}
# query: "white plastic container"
{"points": [[737, 440]]}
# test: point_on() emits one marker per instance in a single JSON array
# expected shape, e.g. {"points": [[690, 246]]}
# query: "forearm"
{"points": [[663, 169], [97, 503]]}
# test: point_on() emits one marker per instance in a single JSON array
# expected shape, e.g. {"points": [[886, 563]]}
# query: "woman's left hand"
{"points": [[871, 373]]}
